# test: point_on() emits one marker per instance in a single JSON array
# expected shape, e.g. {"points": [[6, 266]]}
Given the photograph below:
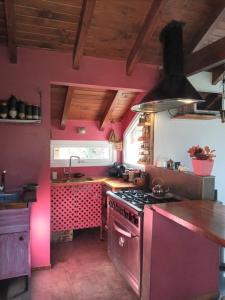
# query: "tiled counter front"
{"points": [[75, 206]]}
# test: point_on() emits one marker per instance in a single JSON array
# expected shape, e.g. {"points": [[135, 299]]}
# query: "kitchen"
{"points": [[94, 71]]}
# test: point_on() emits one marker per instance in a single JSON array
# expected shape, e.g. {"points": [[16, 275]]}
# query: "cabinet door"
{"points": [[14, 255], [88, 200], [62, 208]]}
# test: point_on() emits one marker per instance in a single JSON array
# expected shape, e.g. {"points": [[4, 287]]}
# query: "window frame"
{"points": [[129, 128], [86, 163]]}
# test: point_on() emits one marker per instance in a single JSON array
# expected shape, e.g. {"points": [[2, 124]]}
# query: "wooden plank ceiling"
{"points": [[79, 103], [125, 30]]}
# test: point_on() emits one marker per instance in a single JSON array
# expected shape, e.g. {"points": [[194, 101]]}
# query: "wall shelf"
{"points": [[146, 122], [20, 121]]}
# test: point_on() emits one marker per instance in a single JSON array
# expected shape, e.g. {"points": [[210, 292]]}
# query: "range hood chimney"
{"points": [[174, 90]]}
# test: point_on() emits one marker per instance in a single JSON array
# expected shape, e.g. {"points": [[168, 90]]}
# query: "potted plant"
{"points": [[202, 160]]}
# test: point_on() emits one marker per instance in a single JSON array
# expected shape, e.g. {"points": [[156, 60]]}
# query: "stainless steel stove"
{"points": [[125, 231]]}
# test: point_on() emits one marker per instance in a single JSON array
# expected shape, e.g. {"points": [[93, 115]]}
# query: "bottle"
{"points": [[12, 103]]}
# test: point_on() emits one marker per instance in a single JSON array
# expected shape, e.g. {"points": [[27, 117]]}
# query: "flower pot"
{"points": [[202, 167]]}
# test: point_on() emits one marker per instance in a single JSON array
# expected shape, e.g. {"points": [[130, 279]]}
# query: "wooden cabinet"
{"points": [[14, 243], [76, 206], [14, 254]]}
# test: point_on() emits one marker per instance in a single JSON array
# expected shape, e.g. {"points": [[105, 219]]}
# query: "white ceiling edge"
{"points": [[203, 83]]}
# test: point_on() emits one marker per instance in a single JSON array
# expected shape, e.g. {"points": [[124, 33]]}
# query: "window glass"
{"points": [[82, 152], [90, 153], [131, 143]]}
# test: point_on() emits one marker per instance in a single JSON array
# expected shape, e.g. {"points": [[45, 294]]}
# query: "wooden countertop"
{"points": [[201, 216], [114, 183]]}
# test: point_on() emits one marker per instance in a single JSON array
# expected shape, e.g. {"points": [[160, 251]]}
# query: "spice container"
{"points": [[28, 110], [21, 110], [12, 103], [35, 115], [3, 110]]}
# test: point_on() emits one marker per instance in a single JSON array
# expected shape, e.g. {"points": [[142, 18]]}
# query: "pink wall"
{"points": [[24, 150], [92, 133]]}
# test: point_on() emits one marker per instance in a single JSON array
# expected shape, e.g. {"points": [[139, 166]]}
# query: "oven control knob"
{"points": [[135, 221]]}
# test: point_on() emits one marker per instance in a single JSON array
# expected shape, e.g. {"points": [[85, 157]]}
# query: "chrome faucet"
{"points": [[2, 185], [70, 165]]}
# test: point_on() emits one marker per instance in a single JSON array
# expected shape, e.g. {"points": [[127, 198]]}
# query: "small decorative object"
{"points": [[176, 165], [12, 103], [170, 164], [81, 130], [112, 136], [3, 110], [118, 145], [202, 160]]}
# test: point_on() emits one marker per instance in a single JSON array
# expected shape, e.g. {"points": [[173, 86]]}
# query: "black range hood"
{"points": [[174, 90]]}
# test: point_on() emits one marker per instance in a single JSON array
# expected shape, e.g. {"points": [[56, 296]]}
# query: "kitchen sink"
{"points": [[9, 197], [62, 180]]}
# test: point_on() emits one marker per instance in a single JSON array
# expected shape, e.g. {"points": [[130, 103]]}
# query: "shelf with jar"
{"points": [[146, 121], [14, 110]]}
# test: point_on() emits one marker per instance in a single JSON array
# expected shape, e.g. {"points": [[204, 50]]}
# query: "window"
{"points": [[91, 153], [131, 144]]}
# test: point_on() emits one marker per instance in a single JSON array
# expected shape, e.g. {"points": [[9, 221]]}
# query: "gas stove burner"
{"points": [[139, 198]]}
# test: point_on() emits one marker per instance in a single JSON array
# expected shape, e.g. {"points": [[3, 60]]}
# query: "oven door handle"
{"points": [[122, 231]]}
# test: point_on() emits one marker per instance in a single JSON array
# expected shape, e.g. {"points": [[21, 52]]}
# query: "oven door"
{"points": [[124, 248]]}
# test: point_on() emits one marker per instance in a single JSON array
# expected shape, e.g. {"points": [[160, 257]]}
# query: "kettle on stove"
{"points": [[159, 188]]}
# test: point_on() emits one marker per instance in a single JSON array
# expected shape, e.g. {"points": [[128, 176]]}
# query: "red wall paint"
{"points": [[24, 150], [92, 133]]}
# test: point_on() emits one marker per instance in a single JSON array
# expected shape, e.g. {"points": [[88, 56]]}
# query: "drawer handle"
{"points": [[21, 238]]}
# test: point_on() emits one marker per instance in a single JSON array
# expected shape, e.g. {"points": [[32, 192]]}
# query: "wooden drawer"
{"points": [[14, 255], [14, 220]]}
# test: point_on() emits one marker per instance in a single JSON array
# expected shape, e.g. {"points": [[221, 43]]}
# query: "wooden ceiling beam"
{"points": [[215, 17], [67, 104], [217, 74], [147, 29], [85, 21], [106, 117], [206, 58], [11, 29]]}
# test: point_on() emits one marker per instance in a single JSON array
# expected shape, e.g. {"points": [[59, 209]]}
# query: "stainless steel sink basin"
{"points": [[9, 197], [62, 180]]}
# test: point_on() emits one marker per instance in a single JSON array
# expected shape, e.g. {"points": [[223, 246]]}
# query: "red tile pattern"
{"points": [[62, 208], [88, 206], [76, 207]]}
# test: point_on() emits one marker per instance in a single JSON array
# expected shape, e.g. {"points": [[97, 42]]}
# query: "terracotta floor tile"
{"points": [[81, 270]]}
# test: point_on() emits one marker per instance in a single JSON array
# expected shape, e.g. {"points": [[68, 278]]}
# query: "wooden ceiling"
{"points": [[79, 103], [125, 30]]}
